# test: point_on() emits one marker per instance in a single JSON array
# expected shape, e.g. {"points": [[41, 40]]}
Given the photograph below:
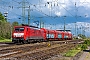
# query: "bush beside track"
{"points": [[78, 49]]}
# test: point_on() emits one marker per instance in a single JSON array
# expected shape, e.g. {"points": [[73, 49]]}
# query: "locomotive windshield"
{"points": [[19, 29]]}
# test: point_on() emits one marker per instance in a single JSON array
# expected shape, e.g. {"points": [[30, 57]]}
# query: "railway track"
{"points": [[42, 53], [10, 48], [20, 48], [34, 51]]}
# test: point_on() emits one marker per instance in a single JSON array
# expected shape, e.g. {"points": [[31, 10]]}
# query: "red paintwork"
{"points": [[18, 32], [46, 32], [63, 34], [31, 33]]}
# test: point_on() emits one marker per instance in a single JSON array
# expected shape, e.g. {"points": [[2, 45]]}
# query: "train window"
{"points": [[50, 35], [59, 36], [19, 29], [65, 36], [47, 35]]}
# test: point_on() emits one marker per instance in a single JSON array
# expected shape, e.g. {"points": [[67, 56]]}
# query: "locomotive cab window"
{"points": [[19, 29]]}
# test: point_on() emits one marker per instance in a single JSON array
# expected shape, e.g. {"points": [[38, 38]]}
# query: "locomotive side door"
{"points": [[28, 33]]}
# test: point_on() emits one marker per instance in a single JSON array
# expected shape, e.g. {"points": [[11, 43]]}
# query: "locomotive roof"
{"points": [[65, 30], [29, 25]]}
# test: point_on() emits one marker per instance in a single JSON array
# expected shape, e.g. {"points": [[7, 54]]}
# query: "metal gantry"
{"points": [[23, 11]]}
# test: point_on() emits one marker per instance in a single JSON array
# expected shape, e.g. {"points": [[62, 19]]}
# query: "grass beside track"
{"points": [[6, 40], [72, 53], [80, 47]]}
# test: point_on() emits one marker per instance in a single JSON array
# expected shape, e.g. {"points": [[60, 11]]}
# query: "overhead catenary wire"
{"points": [[7, 9], [45, 4]]}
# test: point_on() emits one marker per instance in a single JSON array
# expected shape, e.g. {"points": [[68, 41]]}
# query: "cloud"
{"points": [[58, 13], [67, 7], [59, 7]]}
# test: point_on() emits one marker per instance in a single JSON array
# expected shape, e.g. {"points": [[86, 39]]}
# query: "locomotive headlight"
{"points": [[22, 34], [18, 34], [14, 34]]}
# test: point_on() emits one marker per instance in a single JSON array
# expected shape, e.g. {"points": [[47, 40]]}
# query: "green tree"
{"points": [[14, 24], [6, 27], [2, 22], [82, 36], [2, 18]]}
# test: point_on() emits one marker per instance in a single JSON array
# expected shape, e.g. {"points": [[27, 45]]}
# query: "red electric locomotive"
{"points": [[29, 34], [26, 34]]}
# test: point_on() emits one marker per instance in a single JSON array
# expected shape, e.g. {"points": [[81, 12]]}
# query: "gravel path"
{"points": [[85, 55]]}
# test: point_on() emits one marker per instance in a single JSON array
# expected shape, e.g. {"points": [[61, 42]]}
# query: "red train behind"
{"points": [[30, 34]]}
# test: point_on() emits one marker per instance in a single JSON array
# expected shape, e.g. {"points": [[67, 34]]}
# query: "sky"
{"points": [[75, 14]]}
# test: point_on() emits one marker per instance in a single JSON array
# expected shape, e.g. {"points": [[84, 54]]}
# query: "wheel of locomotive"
{"points": [[39, 41], [14, 42], [24, 42], [28, 41]]}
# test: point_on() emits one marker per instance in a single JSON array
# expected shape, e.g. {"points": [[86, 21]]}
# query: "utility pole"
{"points": [[29, 16], [23, 11], [64, 23], [40, 22], [75, 28], [76, 19]]}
